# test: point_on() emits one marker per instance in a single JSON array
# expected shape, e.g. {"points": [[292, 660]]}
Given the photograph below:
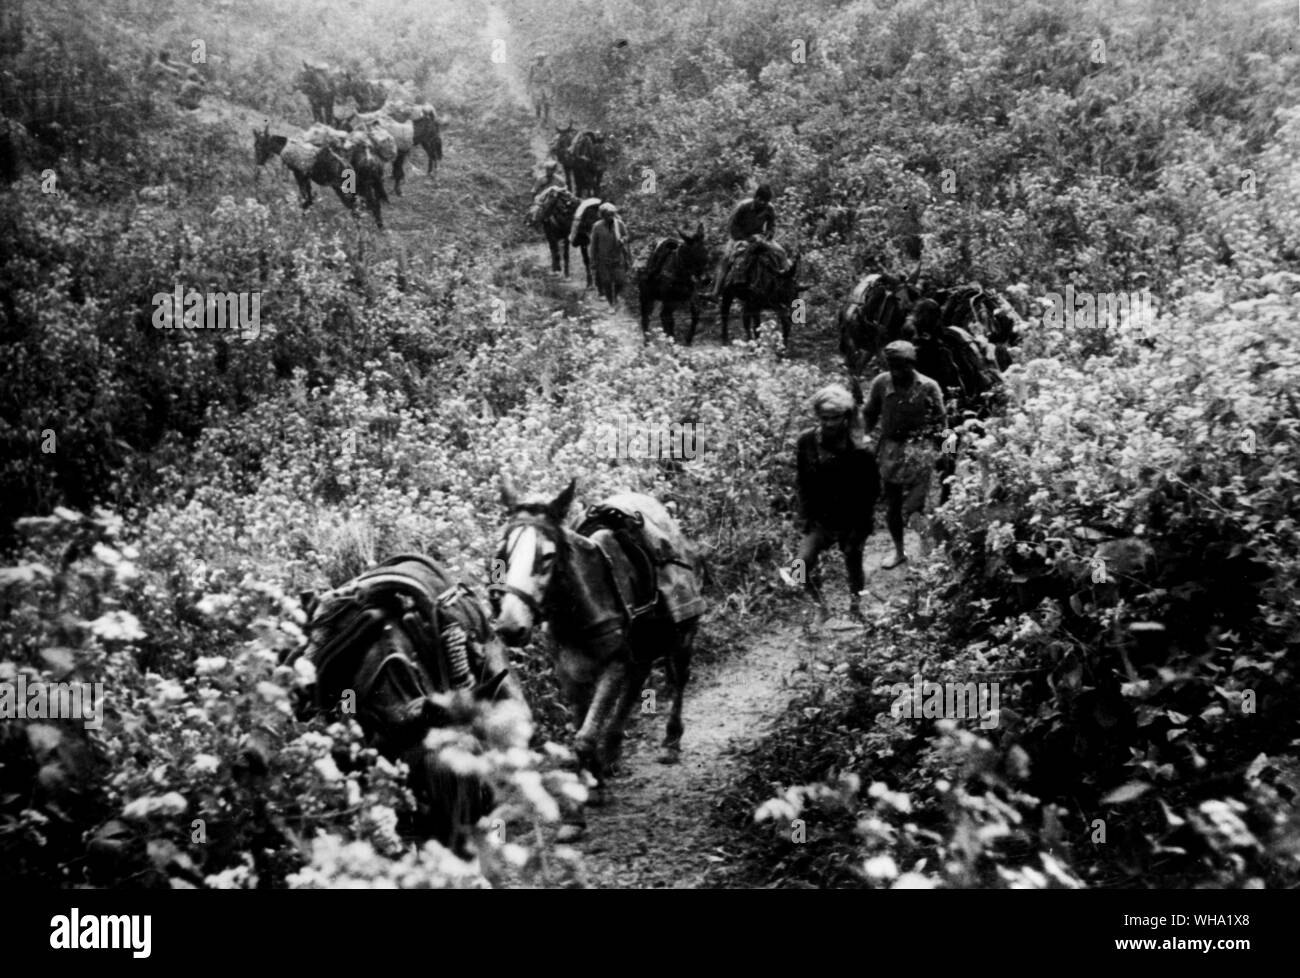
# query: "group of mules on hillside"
{"points": [[348, 147]]}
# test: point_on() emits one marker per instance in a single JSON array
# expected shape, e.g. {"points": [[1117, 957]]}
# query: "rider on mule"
{"points": [[838, 486], [753, 220], [909, 407]]}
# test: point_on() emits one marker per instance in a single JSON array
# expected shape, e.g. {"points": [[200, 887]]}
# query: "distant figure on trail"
{"points": [[909, 408], [163, 70], [754, 218], [610, 258], [541, 87], [192, 92], [838, 486]]}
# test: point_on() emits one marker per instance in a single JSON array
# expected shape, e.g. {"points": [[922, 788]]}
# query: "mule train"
{"points": [[383, 125]]}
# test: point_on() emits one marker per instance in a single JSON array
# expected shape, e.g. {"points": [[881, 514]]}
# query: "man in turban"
{"points": [[838, 485], [609, 253], [909, 409]]}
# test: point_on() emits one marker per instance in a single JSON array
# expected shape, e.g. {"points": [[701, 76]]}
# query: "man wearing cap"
{"points": [[909, 408], [609, 253], [539, 85], [838, 485]]}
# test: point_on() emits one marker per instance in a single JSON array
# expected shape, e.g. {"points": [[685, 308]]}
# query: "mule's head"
{"points": [[788, 281], [265, 145], [562, 140], [694, 252], [528, 561]]}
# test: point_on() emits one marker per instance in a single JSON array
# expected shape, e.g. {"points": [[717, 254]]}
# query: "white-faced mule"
{"points": [[620, 591]]}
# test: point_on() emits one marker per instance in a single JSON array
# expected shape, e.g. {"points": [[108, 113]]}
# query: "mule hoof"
{"points": [[671, 755]]}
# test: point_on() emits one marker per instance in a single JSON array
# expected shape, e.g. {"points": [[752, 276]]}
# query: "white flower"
{"points": [[327, 769], [117, 626], [206, 665], [880, 868], [205, 764]]}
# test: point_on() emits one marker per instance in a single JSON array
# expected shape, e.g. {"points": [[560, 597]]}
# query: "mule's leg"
{"points": [[666, 318], [695, 320], [629, 695], [724, 314], [680, 673], [399, 173], [592, 740], [586, 263], [304, 190]]}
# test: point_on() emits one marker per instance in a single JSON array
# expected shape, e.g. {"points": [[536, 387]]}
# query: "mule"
{"points": [[672, 276], [368, 95], [552, 213], [872, 318], [588, 158], [777, 292], [320, 85], [395, 645], [420, 130], [561, 143], [608, 626], [360, 166]]}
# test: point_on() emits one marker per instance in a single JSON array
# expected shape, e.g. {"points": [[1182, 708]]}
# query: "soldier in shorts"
{"points": [[909, 409]]}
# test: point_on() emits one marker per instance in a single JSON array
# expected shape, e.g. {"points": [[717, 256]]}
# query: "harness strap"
{"points": [[533, 604]]}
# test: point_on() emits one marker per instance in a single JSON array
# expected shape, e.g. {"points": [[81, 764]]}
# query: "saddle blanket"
{"points": [[576, 234], [675, 564]]}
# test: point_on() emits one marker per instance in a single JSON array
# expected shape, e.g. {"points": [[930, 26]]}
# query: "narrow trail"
{"points": [[655, 829]]}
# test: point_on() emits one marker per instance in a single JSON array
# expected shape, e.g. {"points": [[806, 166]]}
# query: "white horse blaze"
{"points": [[523, 547]]}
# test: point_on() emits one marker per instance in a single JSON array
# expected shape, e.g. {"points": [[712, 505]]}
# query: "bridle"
{"points": [[496, 589]]}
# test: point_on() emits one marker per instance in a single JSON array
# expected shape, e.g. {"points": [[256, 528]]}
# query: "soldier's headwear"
{"points": [[764, 192], [900, 351]]}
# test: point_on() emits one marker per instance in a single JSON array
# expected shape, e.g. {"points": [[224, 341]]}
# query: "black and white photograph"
{"points": [[651, 444]]}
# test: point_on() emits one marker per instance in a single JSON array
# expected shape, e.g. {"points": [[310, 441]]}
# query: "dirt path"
{"points": [[655, 829]]}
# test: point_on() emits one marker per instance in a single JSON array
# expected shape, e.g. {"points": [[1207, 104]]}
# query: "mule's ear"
{"points": [[509, 497], [559, 506]]}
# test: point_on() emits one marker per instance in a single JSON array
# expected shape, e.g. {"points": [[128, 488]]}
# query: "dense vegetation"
{"points": [[1040, 144]]}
